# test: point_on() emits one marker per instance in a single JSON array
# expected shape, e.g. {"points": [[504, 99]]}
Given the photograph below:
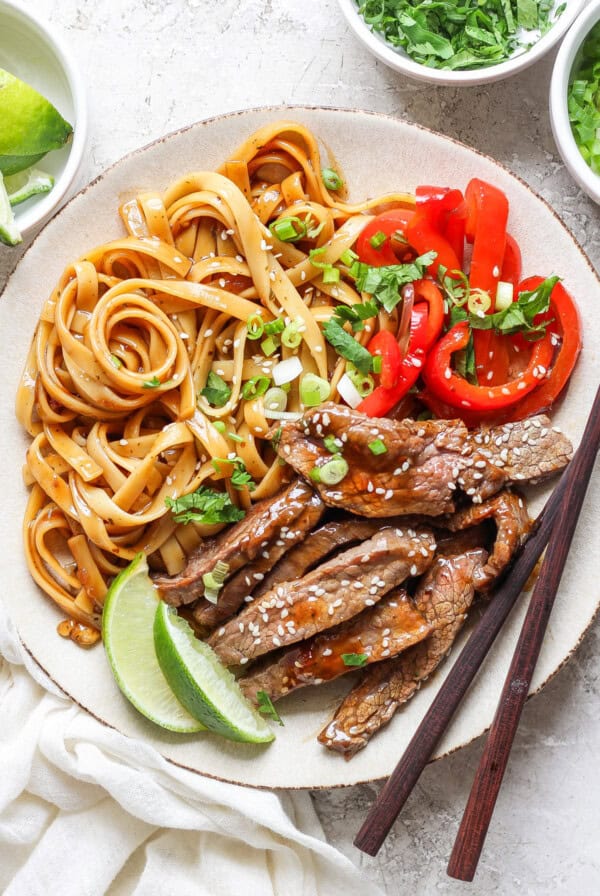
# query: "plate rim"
{"points": [[287, 110]]}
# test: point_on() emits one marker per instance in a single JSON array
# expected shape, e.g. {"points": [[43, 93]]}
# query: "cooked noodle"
{"points": [[124, 345]]}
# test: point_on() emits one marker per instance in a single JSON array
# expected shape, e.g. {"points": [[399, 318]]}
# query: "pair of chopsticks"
{"points": [[562, 508]]}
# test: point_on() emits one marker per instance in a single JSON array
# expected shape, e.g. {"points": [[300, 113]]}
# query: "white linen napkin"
{"points": [[86, 811]]}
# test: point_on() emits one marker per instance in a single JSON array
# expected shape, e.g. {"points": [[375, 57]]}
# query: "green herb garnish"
{"points": [[206, 506], [460, 34], [240, 478], [356, 314], [216, 391], [584, 100], [355, 659], [384, 283], [347, 346], [520, 316], [265, 705], [377, 446], [152, 384], [331, 179]]}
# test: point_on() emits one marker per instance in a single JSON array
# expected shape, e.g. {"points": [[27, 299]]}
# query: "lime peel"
{"points": [[9, 232], [206, 688], [28, 183], [127, 623]]}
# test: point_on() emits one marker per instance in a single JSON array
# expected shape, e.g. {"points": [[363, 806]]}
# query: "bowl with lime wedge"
{"points": [[44, 122]]}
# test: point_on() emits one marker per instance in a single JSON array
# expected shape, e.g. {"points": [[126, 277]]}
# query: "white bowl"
{"points": [[559, 114], [30, 50], [401, 62]]}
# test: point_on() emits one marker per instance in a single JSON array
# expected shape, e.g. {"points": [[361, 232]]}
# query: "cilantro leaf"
{"points": [[265, 705], [205, 505], [347, 346], [216, 391], [383, 283], [240, 478], [356, 314], [355, 659], [520, 316]]}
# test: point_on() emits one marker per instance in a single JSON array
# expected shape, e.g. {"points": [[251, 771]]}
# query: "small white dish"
{"points": [[401, 62], [30, 50], [566, 59]]}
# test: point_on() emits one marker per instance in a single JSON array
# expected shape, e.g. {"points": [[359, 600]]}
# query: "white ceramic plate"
{"points": [[376, 154]]}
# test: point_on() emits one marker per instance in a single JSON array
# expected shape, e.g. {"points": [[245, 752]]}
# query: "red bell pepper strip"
{"points": [[566, 327], [446, 211], [382, 400], [388, 223], [445, 384], [384, 344], [427, 290], [511, 265]]}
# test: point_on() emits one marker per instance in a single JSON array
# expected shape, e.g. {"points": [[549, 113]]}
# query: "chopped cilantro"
{"points": [[355, 314], [383, 283], [216, 391], [205, 505], [265, 705], [460, 34], [520, 316], [354, 659], [347, 346], [240, 478]]}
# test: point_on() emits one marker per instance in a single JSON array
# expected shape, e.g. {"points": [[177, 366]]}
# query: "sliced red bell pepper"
{"points": [[566, 328], [387, 223], [385, 344], [382, 400], [446, 385], [424, 334], [511, 265], [446, 212]]}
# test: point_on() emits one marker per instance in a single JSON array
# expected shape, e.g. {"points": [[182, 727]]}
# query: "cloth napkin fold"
{"points": [[86, 811]]}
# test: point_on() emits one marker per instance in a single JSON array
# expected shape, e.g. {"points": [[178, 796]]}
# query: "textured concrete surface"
{"points": [[152, 67]]}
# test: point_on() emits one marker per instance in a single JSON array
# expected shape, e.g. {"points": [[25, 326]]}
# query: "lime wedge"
{"points": [[127, 621], [205, 687], [26, 184], [31, 125], [9, 232]]}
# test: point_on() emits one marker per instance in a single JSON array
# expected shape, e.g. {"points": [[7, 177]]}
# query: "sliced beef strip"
{"points": [[509, 512], [244, 582], [296, 509], [316, 546], [392, 625], [330, 594], [425, 462], [444, 597]]}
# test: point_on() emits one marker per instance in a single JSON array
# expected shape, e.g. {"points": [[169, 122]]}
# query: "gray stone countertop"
{"points": [[152, 67]]}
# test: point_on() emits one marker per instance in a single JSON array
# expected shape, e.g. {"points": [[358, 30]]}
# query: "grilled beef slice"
{"points": [[256, 543], [425, 462], [384, 630], [443, 597], [330, 594]]}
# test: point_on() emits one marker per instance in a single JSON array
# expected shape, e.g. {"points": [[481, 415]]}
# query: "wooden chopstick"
{"points": [[494, 759], [401, 782]]}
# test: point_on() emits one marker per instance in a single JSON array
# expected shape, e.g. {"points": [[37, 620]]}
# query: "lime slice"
{"points": [[200, 681], [26, 184], [9, 232], [31, 125], [127, 621]]}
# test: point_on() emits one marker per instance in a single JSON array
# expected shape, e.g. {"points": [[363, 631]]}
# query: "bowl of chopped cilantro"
{"points": [[459, 41], [575, 101]]}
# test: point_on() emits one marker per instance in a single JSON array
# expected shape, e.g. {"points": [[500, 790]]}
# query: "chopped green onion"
{"points": [[269, 346], [331, 274], [288, 229], [255, 326], [258, 385], [332, 472], [504, 296], [275, 399], [363, 382], [273, 327], [331, 179], [116, 362], [354, 659], [234, 437], [378, 239], [314, 390], [219, 425], [377, 363], [348, 257], [377, 446], [152, 384], [333, 445], [291, 336], [213, 581]]}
